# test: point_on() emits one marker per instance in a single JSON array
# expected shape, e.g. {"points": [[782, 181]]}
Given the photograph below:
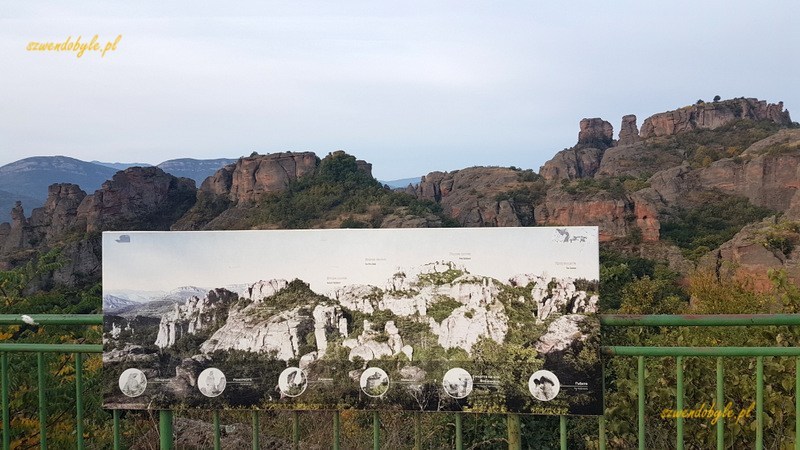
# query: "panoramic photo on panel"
{"points": [[480, 320]]}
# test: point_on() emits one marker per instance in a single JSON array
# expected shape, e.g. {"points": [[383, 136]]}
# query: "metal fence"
{"points": [[513, 421]]}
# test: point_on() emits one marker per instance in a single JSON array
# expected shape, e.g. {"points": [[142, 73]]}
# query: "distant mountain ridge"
{"points": [[27, 180]]}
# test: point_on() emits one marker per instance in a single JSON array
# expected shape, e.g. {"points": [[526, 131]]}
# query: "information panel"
{"points": [[480, 319]]}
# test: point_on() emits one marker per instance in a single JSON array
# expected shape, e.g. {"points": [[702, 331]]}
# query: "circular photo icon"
{"points": [[374, 382], [211, 382], [292, 382], [132, 382], [544, 385], [457, 383]]}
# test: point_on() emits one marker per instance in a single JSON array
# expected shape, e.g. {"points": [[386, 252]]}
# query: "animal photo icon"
{"points": [[544, 385], [132, 382], [211, 382], [374, 382], [292, 382], [457, 383]]}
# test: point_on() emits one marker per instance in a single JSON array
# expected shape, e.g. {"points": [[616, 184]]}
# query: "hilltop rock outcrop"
{"points": [[596, 132], [573, 163], [471, 196], [628, 131], [713, 115], [145, 198], [250, 177]]}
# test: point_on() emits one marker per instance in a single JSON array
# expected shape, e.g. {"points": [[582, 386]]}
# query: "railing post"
{"points": [[679, 365], [256, 431], [759, 402], [459, 433], [115, 430], [514, 438], [797, 403], [42, 403], [640, 401], [337, 426], [296, 430], [6, 415], [79, 399], [217, 444], [376, 431], [165, 429], [418, 431], [720, 404]]}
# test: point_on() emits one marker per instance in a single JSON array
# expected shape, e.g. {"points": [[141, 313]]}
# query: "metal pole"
{"points": [[165, 429], [217, 443], [720, 404], [562, 431], [256, 431], [797, 404], [679, 364], [42, 403], [759, 403], [418, 430], [640, 380], [514, 438], [295, 430], [459, 434], [376, 431], [6, 418], [117, 443], [336, 430], [79, 399]]}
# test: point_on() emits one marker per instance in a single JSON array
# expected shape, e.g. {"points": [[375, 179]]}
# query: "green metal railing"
{"points": [[512, 420]]}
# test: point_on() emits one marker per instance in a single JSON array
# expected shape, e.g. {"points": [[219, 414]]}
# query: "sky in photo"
{"points": [[411, 87], [331, 259]]}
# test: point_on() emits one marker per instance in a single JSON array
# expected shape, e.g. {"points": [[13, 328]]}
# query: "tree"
{"points": [[717, 98]]}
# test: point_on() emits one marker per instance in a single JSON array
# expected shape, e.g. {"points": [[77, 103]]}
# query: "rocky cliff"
{"points": [[136, 198], [713, 115], [195, 316]]}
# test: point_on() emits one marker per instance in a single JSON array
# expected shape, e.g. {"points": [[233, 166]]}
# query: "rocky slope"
{"points": [[628, 186]]}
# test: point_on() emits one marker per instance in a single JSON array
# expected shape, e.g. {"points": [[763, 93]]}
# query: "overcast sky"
{"points": [[411, 86]]}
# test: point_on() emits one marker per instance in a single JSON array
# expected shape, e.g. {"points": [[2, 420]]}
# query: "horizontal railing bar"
{"points": [[51, 319], [700, 351], [695, 320], [56, 348]]}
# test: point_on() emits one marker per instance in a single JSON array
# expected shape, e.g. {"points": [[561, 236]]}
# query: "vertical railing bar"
{"points": [[337, 426], [116, 432], [562, 431], [42, 403], [79, 399], [641, 398], [6, 414], [376, 431], [602, 424], [215, 417], [296, 430], [256, 430], [679, 368], [797, 403], [165, 429], [759, 402], [720, 404], [514, 432], [418, 429], [459, 432]]}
